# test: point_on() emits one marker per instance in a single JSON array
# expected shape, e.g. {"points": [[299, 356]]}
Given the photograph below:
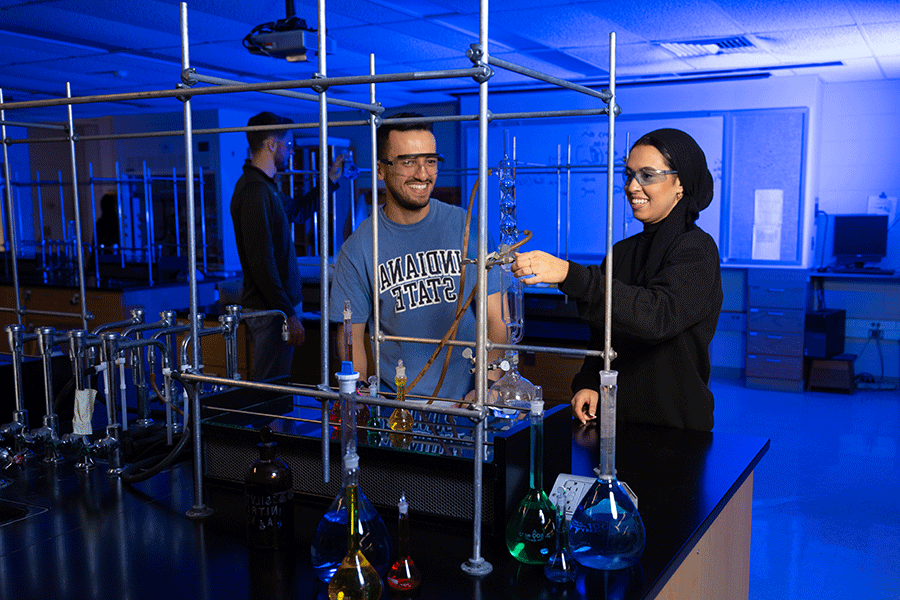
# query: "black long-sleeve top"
{"points": [[265, 248], [661, 330]]}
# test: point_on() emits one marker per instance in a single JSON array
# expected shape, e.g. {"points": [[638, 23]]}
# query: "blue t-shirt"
{"points": [[419, 270]]}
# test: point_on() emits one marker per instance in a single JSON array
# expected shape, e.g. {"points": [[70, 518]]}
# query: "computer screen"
{"points": [[860, 239]]}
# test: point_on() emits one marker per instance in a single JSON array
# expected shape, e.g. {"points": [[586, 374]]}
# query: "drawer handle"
{"points": [[775, 337], [775, 314], [776, 289], [774, 360]]}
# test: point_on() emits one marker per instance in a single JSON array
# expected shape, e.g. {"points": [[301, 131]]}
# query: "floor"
{"points": [[826, 510]]}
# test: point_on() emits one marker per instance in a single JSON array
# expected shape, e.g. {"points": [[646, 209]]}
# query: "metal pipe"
{"points": [[43, 242], [175, 201], [11, 214], [111, 445], [121, 233], [96, 245], [202, 218], [15, 333], [81, 289], [191, 77], [29, 125], [325, 323], [199, 510], [477, 565], [376, 216], [503, 64], [148, 212], [188, 93], [543, 114]]}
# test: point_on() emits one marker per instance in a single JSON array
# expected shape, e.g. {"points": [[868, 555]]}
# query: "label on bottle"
{"points": [[270, 517]]}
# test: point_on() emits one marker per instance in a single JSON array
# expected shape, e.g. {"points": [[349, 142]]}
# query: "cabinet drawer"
{"points": [[775, 367], [767, 342], [782, 320], [778, 294]]}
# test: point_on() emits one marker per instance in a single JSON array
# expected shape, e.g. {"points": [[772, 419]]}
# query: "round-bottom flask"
{"points": [[329, 545], [606, 532]]}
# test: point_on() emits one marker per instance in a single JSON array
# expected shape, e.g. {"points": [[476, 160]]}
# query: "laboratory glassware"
{"points": [[404, 576], [401, 419], [606, 531], [531, 530], [512, 390], [561, 567], [355, 578], [329, 545], [269, 495]]}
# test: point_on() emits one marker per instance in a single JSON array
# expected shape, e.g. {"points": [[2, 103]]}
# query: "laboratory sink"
{"points": [[10, 511]]}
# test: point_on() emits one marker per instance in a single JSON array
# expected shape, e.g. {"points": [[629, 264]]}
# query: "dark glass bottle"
{"points": [[269, 493]]}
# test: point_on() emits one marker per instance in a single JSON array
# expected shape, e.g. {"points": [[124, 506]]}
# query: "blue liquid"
{"points": [[606, 532], [329, 545]]}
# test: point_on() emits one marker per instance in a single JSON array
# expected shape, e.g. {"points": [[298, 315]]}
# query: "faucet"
{"points": [[19, 426], [48, 435], [167, 319], [111, 445]]}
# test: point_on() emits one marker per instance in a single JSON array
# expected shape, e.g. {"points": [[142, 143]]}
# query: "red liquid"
{"points": [[404, 576]]}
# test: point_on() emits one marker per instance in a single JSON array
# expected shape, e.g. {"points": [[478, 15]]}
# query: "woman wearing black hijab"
{"points": [[667, 291]]}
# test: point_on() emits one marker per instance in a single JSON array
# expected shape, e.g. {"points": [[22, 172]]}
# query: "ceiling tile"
{"points": [[775, 15]]}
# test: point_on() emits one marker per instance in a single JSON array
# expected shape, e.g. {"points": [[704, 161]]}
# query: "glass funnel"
{"points": [[531, 530], [606, 532]]}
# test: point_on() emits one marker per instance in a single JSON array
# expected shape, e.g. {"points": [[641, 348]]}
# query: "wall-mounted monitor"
{"points": [[860, 239]]}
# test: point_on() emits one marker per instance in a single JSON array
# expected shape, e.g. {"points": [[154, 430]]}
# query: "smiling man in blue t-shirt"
{"points": [[420, 256]]}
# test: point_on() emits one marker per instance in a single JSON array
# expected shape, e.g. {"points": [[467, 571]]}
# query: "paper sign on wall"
{"points": [[883, 205], [767, 220]]}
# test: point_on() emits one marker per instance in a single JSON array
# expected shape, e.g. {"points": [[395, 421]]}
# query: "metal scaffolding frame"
{"points": [[480, 72]]}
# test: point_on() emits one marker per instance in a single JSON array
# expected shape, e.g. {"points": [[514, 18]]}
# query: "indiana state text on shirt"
{"points": [[423, 279]]}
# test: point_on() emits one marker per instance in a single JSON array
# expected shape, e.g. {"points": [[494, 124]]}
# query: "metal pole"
{"points": [[324, 320], [568, 192], [376, 215], [175, 201], [94, 226], [199, 510], [40, 210], [148, 219], [477, 565], [202, 218], [119, 217], [558, 199], [81, 291]]}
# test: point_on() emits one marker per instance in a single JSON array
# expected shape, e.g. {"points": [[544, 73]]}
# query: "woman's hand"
{"points": [[539, 267], [584, 405]]}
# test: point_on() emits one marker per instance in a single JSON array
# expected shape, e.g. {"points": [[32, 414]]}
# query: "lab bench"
{"points": [[84, 535]]}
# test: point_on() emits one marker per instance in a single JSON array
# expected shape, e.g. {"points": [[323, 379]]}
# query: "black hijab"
{"points": [[685, 156]]}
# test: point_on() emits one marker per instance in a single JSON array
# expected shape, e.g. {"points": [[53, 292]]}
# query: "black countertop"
{"points": [[91, 537]]}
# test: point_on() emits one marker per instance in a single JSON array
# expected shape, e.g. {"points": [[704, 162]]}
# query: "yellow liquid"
{"points": [[355, 579], [401, 420]]}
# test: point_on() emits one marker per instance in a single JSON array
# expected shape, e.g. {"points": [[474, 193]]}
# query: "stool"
{"points": [[833, 374]]}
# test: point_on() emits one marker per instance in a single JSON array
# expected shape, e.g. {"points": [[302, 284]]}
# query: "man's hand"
{"points": [[295, 331], [584, 405]]}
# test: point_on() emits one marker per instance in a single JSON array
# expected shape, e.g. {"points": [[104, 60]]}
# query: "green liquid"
{"points": [[531, 531]]}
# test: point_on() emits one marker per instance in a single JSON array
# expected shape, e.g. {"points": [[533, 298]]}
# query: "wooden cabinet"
{"points": [[777, 304]]}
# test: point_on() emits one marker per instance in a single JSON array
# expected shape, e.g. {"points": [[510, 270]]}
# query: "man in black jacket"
{"points": [[262, 218]]}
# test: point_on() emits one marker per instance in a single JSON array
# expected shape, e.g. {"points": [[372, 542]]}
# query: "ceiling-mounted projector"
{"points": [[288, 38]]}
